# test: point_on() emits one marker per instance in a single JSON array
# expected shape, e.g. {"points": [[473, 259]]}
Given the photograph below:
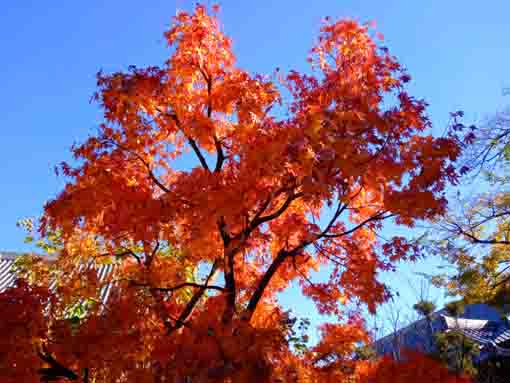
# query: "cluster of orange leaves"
{"points": [[122, 346], [269, 201]]}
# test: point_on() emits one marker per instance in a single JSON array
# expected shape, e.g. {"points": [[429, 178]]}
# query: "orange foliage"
{"points": [[22, 326], [269, 200], [415, 367]]}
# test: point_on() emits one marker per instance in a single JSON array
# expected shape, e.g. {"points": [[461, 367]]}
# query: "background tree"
{"points": [[453, 347], [475, 235], [425, 310], [457, 352], [269, 200]]}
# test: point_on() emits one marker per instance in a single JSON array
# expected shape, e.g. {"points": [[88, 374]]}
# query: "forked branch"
{"points": [[283, 254], [188, 309]]}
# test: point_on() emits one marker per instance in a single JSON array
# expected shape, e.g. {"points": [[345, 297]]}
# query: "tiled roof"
{"points": [[481, 337], [8, 276], [483, 332], [480, 322], [503, 337]]}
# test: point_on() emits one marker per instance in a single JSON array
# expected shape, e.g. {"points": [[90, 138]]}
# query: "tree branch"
{"points": [[266, 278], [180, 321], [266, 203], [231, 251], [262, 219], [378, 217], [475, 239], [230, 286], [56, 370], [122, 254], [145, 163], [488, 218], [208, 81], [177, 287], [284, 254], [225, 236], [339, 210], [197, 151], [191, 141], [148, 259], [502, 282], [220, 155], [219, 150]]}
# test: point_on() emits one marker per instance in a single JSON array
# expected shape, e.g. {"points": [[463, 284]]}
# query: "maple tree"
{"points": [[201, 255]]}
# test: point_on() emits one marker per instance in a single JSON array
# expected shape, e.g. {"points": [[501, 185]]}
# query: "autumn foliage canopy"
{"points": [[293, 173]]}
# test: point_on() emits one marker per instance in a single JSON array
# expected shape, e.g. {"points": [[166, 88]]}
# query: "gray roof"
{"points": [[480, 322], [8, 275], [503, 337]]}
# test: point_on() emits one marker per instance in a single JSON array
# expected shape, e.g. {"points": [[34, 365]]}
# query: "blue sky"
{"points": [[456, 52]]}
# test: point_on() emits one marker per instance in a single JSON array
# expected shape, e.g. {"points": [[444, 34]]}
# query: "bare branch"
{"points": [[378, 217], [487, 218], [177, 287], [475, 239]]}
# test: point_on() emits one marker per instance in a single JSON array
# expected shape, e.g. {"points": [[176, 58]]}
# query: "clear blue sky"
{"points": [[456, 51]]}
